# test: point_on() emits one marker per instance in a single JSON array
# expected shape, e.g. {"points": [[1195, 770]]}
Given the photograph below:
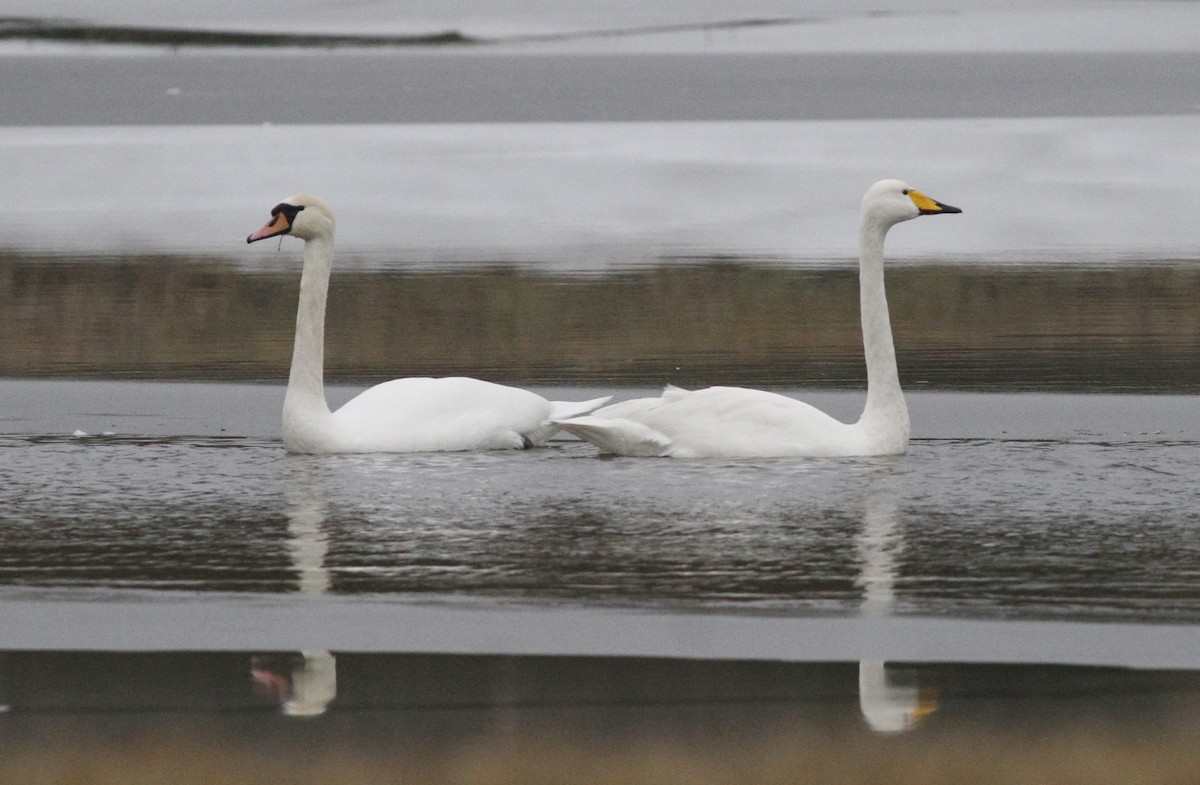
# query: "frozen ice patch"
{"points": [[589, 196]]}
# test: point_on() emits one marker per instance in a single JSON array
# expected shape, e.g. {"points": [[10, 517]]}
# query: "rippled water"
{"points": [[977, 520]]}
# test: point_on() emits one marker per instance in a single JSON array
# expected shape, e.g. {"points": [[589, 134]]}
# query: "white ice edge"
{"points": [[141, 621], [821, 26], [585, 194]]}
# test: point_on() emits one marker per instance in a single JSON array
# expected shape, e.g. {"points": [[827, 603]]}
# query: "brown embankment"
{"points": [[1120, 328]]}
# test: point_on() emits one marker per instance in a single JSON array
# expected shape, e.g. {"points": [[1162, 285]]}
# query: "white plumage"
{"points": [[403, 415], [734, 422]]}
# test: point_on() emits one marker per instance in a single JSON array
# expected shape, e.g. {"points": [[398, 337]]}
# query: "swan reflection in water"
{"points": [[304, 683], [890, 697]]}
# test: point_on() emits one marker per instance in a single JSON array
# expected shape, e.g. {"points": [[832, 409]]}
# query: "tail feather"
{"points": [[562, 410], [618, 436]]}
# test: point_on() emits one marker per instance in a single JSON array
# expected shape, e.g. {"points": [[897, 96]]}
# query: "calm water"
{"points": [[468, 87], [427, 703]]}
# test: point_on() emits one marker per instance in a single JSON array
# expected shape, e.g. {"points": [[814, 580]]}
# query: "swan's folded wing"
{"points": [[561, 410], [419, 414], [618, 436], [736, 422], [723, 422]]}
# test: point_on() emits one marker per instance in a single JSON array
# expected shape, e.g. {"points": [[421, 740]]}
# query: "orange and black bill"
{"points": [[282, 217]]}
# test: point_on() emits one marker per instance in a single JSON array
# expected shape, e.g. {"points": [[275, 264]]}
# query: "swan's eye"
{"points": [[906, 192], [290, 211]]}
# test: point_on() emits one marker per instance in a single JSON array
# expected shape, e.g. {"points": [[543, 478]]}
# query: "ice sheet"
{"points": [[590, 196]]}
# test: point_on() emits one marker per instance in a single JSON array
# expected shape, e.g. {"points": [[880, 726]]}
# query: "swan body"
{"points": [[403, 415], [725, 422], [734, 422]]}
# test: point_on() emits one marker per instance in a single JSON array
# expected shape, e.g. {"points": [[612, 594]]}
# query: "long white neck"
{"points": [[306, 382], [885, 414]]}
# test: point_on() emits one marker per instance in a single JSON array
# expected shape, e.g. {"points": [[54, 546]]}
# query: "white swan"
{"points": [[403, 415], [733, 422]]}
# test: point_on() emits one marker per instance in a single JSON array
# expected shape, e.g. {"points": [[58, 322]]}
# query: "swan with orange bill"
{"points": [[404, 415]]}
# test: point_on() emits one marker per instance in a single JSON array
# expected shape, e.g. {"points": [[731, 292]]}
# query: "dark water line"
{"points": [[51, 29]]}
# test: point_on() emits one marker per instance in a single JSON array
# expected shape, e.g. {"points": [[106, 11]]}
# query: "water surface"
{"points": [[991, 514], [470, 87]]}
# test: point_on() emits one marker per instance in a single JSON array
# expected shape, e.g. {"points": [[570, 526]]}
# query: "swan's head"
{"points": [[302, 216], [893, 201]]}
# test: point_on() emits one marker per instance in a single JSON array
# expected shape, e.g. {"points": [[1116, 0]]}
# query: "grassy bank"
{"points": [[1125, 328]]}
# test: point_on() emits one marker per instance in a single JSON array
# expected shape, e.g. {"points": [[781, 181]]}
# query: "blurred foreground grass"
{"points": [[1131, 327], [1083, 754]]}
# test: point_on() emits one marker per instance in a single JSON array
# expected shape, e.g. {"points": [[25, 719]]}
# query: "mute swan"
{"points": [[403, 415], [733, 422]]}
